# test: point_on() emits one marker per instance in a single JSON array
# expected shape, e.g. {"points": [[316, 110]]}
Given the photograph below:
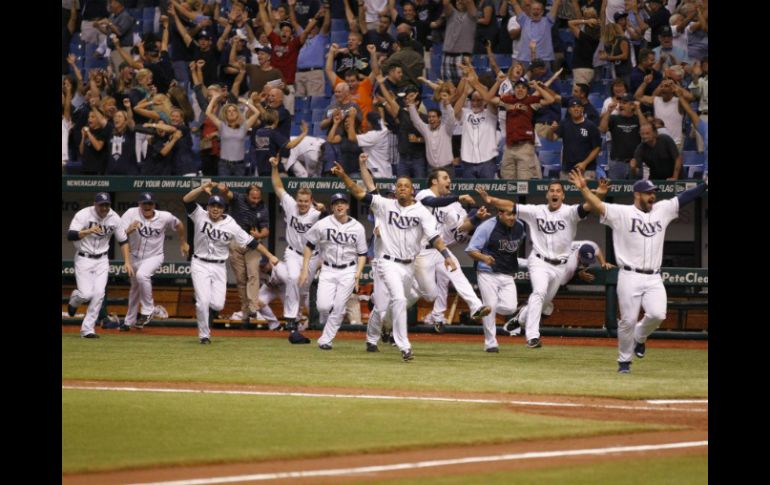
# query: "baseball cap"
{"points": [[102, 198], [411, 88], [521, 80], [536, 63], [205, 34], [666, 32], [216, 199], [644, 186], [339, 196], [574, 102], [619, 15], [146, 198], [265, 49], [627, 98], [587, 254], [297, 338]]}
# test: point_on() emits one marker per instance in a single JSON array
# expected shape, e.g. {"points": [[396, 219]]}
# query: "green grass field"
{"points": [[105, 430]]}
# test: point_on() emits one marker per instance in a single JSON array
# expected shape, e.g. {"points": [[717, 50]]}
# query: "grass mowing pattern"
{"points": [[104, 430], [565, 370], [676, 470]]}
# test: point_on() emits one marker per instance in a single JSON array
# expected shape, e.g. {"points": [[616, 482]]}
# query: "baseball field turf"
{"points": [[160, 405]]}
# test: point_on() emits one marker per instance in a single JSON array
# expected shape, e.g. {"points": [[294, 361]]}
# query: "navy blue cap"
{"points": [[574, 102], [102, 198], [587, 254], [645, 186], [146, 198], [339, 196], [216, 199]]}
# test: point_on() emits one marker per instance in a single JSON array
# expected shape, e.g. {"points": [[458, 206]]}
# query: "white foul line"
{"points": [[377, 396], [678, 401], [429, 464]]}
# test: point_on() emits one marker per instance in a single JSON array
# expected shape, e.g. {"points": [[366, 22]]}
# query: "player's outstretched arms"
{"points": [[502, 204], [275, 178], [592, 202], [356, 191], [366, 175], [194, 193]]}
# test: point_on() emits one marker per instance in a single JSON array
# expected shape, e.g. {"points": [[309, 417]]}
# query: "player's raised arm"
{"points": [[276, 179], [353, 187], [594, 203], [366, 175], [192, 195], [502, 204]]}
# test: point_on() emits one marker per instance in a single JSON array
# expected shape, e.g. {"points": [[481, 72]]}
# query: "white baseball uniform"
{"points": [[429, 265], [146, 248], [297, 226], [91, 262], [552, 233], [637, 238], [307, 156], [339, 246], [273, 288], [209, 274], [401, 231]]}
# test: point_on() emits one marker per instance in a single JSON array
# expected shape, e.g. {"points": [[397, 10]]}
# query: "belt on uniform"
{"points": [[301, 253], [231, 162], [308, 69], [220, 261], [643, 271], [555, 262], [703, 112], [340, 266], [402, 261], [92, 256]]}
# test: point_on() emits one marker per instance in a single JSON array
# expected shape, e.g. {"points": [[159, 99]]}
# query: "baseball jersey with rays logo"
{"points": [[148, 239], [449, 218], [552, 232], [99, 242], [212, 239], [479, 135], [402, 228], [338, 243], [637, 236], [297, 225]]}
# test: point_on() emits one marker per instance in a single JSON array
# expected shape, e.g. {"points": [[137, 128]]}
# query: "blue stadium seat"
{"points": [[138, 26], [319, 102], [301, 104], [550, 161], [504, 61], [693, 162], [135, 12], [339, 37], [550, 145], [339, 25], [148, 13], [480, 63], [597, 100], [429, 103], [307, 116], [318, 115], [317, 131], [296, 129]]}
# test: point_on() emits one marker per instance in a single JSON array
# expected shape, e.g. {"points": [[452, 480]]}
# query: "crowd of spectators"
{"points": [[483, 88]]}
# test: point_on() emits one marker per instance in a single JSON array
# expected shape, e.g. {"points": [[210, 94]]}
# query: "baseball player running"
{"points": [[214, 230], [402, 223], [583, 254], [493, 247], [299, 215], [146, 229], [450, 216], [341, 241], [552, 228], [90, 230], [638, 233]]}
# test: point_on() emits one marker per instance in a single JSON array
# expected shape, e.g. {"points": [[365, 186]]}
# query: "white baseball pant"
{"points": [[397, 278], [141, 287], [294, 293], [545, 279], [91, 280], [335, 285], [569, 272], [637, 290], [210, 285], [498, 291], [269, 292], [380, 298], [429, 264]]}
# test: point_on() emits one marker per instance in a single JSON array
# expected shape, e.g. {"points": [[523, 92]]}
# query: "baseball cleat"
{"points": [[493, 350], [534, 343], [481, 312], [325, 347], [371, 347], [124, 328], [143, 320], [438, 327], [205, 341], [407, 355], [71, 309], [639, 349], [91, 335], [624, 367]]}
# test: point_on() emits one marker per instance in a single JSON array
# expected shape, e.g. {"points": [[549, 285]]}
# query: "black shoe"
{"points": [[143, 320], [438, 327], [386, 337], [291, 324], [512, 326], [407, 355], [124, 328], [481, 312], [91, 335], [205, 341], [325, 347], [371, 347], [624, 367], [493, 350], [71, 310], [639, 349], [534, 343]]}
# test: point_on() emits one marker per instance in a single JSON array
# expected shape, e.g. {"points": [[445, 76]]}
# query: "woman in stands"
{"points": [[232, 134]]}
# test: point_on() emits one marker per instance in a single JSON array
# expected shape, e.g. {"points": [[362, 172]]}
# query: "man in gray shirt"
{"points": [[458, 37]]}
